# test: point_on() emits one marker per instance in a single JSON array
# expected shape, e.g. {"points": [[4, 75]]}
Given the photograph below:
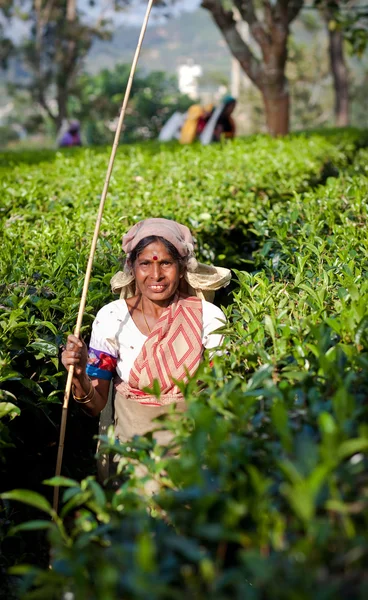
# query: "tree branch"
{"points": [[247, 11], [269, 16], [293, 8], [240, 50], [45, 106]]}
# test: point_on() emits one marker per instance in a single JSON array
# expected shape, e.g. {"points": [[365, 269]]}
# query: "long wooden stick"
{"points": [[93, 248]]}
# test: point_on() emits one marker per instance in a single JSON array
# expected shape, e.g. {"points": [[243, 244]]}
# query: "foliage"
{"points": [[308, 73], [6, 44], [268, 495], [7, 134], [98, 98], [352, 18], [96, 101], [59, 36]]}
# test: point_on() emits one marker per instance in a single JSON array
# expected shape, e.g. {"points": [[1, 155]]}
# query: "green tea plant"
{"points": [[268, 496]]}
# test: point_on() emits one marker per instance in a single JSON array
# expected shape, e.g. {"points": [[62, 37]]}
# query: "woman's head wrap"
{"points": [[175, 233], [228, 100], [200, 280]]}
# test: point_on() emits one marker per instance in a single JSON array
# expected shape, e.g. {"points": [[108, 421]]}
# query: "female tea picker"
{"points": [[157, 330]]}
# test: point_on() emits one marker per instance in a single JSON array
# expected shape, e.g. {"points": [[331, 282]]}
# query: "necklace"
{"points": [[144, 316]]}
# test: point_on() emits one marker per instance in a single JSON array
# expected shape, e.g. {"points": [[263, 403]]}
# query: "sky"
{"points": [[132, 15]]}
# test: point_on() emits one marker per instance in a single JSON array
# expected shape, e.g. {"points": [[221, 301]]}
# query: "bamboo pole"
{"points": [[93, 249]]}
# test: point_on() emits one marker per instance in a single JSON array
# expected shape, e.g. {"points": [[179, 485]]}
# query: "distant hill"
{"points": [[166, 46]]}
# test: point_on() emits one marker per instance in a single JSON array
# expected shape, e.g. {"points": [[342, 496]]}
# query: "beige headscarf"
{"points": [[200, 280]]}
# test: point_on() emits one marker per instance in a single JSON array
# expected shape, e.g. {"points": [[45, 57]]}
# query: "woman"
{"points": [[225, 126], [154, 335], [220, 123], [72, 136]]}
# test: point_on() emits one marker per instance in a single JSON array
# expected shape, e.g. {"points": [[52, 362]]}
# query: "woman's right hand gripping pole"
{"points": [[92, 393]]}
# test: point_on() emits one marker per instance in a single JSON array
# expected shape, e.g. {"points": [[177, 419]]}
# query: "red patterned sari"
{"points": [[172, 351]]}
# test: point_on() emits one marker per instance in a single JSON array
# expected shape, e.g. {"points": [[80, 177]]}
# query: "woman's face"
{"points": [[229, 108], [157, 274]]}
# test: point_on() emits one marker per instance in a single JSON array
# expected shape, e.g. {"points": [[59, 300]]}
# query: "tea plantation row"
{"points": [[268, 498]]}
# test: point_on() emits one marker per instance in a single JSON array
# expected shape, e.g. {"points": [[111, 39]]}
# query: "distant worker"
{"points": [[172, 127], [204, 118], [220, 124], [189, 130], [225, 126], [72, 136], [196, 119]]}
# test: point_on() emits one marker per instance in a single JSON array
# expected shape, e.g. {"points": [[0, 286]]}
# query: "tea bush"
{"points": [[268, 498]]}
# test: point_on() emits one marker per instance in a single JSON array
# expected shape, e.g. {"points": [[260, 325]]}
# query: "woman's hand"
{"points": [[76, 354]]}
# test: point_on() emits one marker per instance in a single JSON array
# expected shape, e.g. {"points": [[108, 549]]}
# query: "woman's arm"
{"points": [[90, 393]]}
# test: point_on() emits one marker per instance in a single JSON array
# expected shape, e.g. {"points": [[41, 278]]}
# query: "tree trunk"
{"points": [[276, 102], [273, 82], [62, 104], [340, 76], [67, 65]]}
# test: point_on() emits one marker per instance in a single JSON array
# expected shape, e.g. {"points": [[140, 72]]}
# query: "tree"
{"points": [[6, 45], [339, 69], [60, 37], [308, 72], [269, 29], [331, 12], [347, 21]]}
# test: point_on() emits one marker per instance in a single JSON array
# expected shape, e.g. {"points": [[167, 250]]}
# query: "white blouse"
{"points": [[116, 340]]}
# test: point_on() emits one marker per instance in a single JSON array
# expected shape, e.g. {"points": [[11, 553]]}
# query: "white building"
{"points": [[188, 75]]}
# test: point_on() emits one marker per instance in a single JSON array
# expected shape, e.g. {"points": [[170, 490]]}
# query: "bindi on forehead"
{"points": [[155, 257]]}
